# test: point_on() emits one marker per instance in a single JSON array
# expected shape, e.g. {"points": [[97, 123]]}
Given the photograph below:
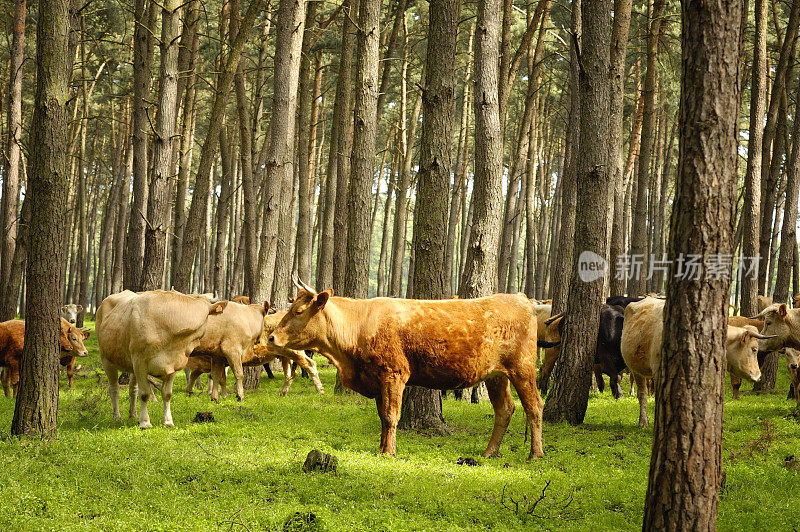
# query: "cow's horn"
{"points": [[763, 336], [296, 283], [305, 286], [551, 319]]}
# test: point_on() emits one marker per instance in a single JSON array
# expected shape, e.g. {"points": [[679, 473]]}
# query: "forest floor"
{"points": [[244, 471]]}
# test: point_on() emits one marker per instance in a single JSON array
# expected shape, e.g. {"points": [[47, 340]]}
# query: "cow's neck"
{"points": [[343, 325], [793, 320]]}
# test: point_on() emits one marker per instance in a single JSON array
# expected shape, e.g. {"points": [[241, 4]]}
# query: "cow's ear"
{"points": [[63, 308], [782, 310], [745, 337], [217, 308], [86, 334], [322, 298], [80, 308], [265, 308]]}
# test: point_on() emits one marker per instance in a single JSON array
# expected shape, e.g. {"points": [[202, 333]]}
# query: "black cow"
{"points": [[608, 355], [622, 301]]}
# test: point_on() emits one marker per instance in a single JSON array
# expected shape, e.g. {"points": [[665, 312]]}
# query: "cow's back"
{"points": [[642, 331], [449, 342]]}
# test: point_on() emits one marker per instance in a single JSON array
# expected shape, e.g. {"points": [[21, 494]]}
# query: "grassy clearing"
{"points": [[244, 471]]}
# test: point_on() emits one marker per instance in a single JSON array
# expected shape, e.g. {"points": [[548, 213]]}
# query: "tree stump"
{"points": [[319, 461]]}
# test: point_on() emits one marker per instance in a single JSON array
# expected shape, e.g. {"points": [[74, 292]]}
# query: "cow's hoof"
{"points": [[282, 393], [535, 455], [117, 418], [169, 424], [146, 425]]}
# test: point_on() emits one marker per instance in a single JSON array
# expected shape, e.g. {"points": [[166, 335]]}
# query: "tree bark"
{"points": [[479, 277], [36, 409], [356, 281], [569, 396], [9, 208], [751, 215], [145, 18], [686, 462], [619, 53], [155, 239], [637, 282]]}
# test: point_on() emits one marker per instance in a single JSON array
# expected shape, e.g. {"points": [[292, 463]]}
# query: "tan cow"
{"points": [[381, 345], [742, 321], [642, 333], [257, 355], [150, 333], [763, 302], [12, 341], [783, 324]]}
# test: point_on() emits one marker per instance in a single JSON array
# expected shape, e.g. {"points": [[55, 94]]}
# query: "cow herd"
{"points": [[379, 346]]}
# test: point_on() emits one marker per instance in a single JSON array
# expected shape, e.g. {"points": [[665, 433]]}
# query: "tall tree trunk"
{"points": [[788, 245], [479, 277], [638, 280], [422, 408], [560, 276], [305, 149], [619, 52], [144, 32], [280, 158], [9, 208], [686, 462], [163, 145], [344, 144], [362, 172], [751, 215], [195, 221], [36, 409], [569, 396], [770, 164]]}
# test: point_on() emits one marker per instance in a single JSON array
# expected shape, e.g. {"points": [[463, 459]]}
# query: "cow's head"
{"points": [[792, 359], [303, 322], [777, 325], [742, 351], [70, 312], [71, 339]]}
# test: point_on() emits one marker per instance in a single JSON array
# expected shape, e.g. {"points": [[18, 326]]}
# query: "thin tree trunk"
{"points": [[637, 282], [9, 208], [479, 277], [686, 462], [143, 36]]}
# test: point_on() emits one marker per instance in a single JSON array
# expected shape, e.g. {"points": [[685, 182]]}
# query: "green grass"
{"points": [[243, 472]]}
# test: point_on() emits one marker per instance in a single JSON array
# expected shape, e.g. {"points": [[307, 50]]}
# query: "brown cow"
{"points": [[244, 300], [381, 345], [763, 302], [642, 332], [150, 333], [12, 340], [793, 365]]}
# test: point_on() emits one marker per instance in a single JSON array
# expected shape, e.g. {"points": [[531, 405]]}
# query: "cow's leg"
{"points": [[797, 389], [550, 357], [166, 396], [217, 374], [389, 402], [532, 403], [5, 375], [641, 393], [598, 375], [113, 388], [310, 367], [269, 371], [736, 383], [191, 379], [71, 370], [288, 375], [500, 395], [132, 392], [238, 373], [140, 372], [614, 382]]}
